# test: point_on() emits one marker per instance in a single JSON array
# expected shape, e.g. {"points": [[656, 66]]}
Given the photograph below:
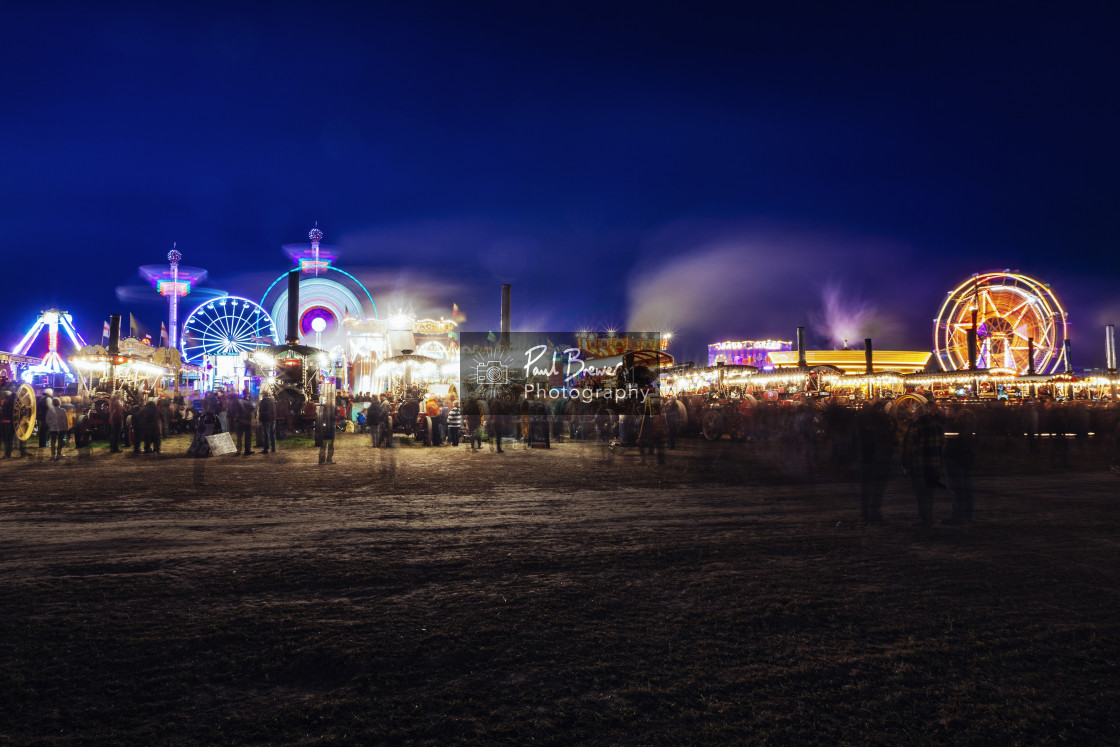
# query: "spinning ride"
{"points": [[1011, 313], [174, 281], [327, 297], [224, 331]]}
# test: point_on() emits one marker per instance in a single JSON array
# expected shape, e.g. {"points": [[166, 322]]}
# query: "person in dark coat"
{"points": [[149, 428], [41, 408], [373, 421], [474, 422], [960, 458], [922, 454], [328, 422], [875, 434], [240, 420], [497, 422], [7, 421], [116, 424], [164, 405], [266, 414]]}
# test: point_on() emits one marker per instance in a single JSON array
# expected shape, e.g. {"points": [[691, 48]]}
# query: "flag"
{"points": [[457, 315], [134, 328], [162, 335], [491, 337], [105, 333]]}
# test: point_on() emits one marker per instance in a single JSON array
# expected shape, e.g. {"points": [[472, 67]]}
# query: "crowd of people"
{"points": [[935, 448]]}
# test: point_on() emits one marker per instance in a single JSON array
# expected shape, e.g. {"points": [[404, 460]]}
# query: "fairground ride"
{"points": [[1020, 325]]}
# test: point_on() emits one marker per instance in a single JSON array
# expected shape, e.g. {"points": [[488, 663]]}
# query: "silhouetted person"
{"points": [[328, 421], [149, 428], [875, 431], [7, 421], [240, 418], [474, 422], [266, 415], [497, 422], [960, 457], [116, 424], [41, 408], [922, 452]]}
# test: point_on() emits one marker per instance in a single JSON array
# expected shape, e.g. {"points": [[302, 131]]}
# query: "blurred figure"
{"points": [[116, 424], [149, 427], [328, 423], [454, 422], [7, 421], [922, 451], [241, 422], [41, 409], [474, 422], [875, 435], [266, 415], [58, 425], [960, 457]]}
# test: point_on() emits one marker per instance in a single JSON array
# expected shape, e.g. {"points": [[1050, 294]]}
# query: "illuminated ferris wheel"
{"points": [[226, 326], [1013, 314]]}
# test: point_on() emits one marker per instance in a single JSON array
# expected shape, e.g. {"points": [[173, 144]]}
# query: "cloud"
{"points": [[708, 282]]}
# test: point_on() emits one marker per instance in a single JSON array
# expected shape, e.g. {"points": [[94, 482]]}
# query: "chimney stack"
{"points": [[505, 316], [1110, 347], [801, 362], [293, 308], [868, 355]]}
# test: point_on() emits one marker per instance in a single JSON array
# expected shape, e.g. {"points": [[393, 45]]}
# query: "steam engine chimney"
{"points": [[505, 315], [114, 333], [293, 308], [867, 352], [801, 348], [1110, 348]]}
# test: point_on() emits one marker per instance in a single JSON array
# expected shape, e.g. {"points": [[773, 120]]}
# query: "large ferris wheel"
{"points": [[226, 326], [1014, 314]]}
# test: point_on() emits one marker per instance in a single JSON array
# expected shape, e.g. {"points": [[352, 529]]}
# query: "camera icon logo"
{"points": [[492, 373]]}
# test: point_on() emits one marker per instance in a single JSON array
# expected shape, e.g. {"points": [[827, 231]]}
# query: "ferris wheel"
{"points": [[1013, 312], [226, 326]]}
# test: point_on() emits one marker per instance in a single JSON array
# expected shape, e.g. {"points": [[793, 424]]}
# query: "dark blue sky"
{"points": [[718, 169]]}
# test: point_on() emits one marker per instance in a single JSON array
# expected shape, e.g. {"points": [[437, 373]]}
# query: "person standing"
{"points": [[7, 424], [266, 414], [41, 409], [474, 422], [875, 434], [241, 421], [497, 422], [150, 427], [58, 425], [454, 422], [116, 424], [922, 451], [164, 405], [328, 421], [960, 458], [373, 421]]}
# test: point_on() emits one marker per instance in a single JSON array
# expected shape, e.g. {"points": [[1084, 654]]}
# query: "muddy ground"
{"points": [[577, 595]]}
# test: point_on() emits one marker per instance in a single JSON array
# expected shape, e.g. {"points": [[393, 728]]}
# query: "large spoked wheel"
{"points": [[907, 408], [711, 425], [23, 412]]}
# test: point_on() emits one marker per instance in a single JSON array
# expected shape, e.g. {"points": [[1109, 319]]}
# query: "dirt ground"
{"points": [[582, 594]]}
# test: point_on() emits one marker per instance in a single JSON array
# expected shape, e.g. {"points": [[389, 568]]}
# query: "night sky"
{"points": [[723, 171]]}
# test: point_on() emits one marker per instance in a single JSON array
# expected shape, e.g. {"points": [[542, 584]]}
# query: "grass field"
{"points": [[577, 595]]}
